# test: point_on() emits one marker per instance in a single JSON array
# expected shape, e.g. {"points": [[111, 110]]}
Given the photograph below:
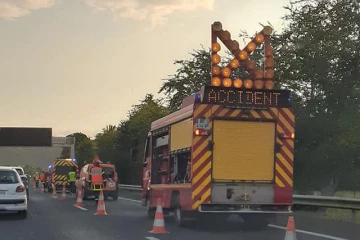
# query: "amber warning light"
{"points": [[201, 132], [224, 75]]}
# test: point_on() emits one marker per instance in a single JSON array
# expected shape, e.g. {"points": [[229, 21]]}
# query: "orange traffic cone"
{"points": [[290, 230], [63, 195], [79, 201], [54, 191], [159, 223], [101, 205]]}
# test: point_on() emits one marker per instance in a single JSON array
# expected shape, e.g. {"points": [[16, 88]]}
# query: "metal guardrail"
{"points": [[305, 200], [130, 187], [327, 202]]}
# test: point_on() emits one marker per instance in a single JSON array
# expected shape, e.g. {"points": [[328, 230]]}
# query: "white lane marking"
{"points": [[82, 208], [309, 233], [128, 199], [152, 238]]}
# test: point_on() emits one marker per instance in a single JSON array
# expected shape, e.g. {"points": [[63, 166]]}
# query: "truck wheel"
{"points": [[179, 216]]}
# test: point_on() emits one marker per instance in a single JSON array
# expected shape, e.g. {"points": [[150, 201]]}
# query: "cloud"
{"points": [[155, 11], [13, 9]]}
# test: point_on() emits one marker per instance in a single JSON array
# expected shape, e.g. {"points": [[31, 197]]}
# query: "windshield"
{"points": [[109, 172], [20, 171], [8, 177], [64, 170]]}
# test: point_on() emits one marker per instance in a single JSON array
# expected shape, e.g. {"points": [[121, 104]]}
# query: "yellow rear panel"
{"points": [[243, 151]]}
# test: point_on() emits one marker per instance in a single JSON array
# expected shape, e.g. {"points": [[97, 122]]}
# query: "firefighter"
{"points": [[97, 177], [42, 178], [72, 180]]}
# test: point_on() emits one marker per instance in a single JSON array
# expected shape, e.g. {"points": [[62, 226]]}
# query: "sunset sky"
{"points": [[77, 65]]}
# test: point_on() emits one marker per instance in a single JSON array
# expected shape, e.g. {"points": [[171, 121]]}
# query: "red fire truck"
{"points": [[228, 150]]}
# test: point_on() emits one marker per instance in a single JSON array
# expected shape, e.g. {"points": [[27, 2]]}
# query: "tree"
{"points": [[189, 78], [105, 143], [84, 148], [132, 136], [318, 59]]}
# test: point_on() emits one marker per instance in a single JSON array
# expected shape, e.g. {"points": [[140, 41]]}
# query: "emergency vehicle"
{"points": [[111, 181], [229, 149], [60, 169]]}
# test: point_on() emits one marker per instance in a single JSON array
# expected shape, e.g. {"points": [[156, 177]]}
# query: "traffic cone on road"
{"points": [[79, 201], [159, 223], [63, 194], [290, 230], [53, 191], [101, 205]]}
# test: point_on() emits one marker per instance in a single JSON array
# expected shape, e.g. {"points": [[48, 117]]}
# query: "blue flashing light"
{"points": [[49, 167], [74, 160], [197, 98]]}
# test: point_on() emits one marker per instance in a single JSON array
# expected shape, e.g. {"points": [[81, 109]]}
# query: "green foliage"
{"points": [[189, 78], [84, 148], [318, 58], [105, 143], [123, 145], [31, 170]]}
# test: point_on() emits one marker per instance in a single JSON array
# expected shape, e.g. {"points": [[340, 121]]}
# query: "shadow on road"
{"points": [[10, 217]]}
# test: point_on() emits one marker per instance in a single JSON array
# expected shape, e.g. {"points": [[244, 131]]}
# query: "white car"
{"points": [[20, 170], [13, 195]]}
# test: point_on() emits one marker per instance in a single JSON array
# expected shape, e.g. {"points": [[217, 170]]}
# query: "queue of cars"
{"points": [[14, 190]]}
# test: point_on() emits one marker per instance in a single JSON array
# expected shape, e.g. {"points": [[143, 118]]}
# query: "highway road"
{"points": [[57, 219]]}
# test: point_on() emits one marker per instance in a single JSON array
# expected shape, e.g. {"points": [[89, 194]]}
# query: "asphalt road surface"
{"points": [[57, 219]]}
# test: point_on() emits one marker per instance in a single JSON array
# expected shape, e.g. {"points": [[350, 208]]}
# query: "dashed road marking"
{"points": [[82, 208], [152, 238], [309, 233], [131, 200]]}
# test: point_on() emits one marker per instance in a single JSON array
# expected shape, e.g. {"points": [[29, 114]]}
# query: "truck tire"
{"points": [[179, 216]]}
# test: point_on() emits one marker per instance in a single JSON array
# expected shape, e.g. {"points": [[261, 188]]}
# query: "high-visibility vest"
{"points": [[96, 176], [72, 176]]}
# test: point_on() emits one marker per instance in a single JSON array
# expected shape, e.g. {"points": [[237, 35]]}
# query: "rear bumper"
{"points": [[268, 209], [19, 204]]}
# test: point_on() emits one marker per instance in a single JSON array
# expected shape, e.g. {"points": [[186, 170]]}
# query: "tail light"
{"points": [[201, 132], [20, 189], [287, 136]]}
